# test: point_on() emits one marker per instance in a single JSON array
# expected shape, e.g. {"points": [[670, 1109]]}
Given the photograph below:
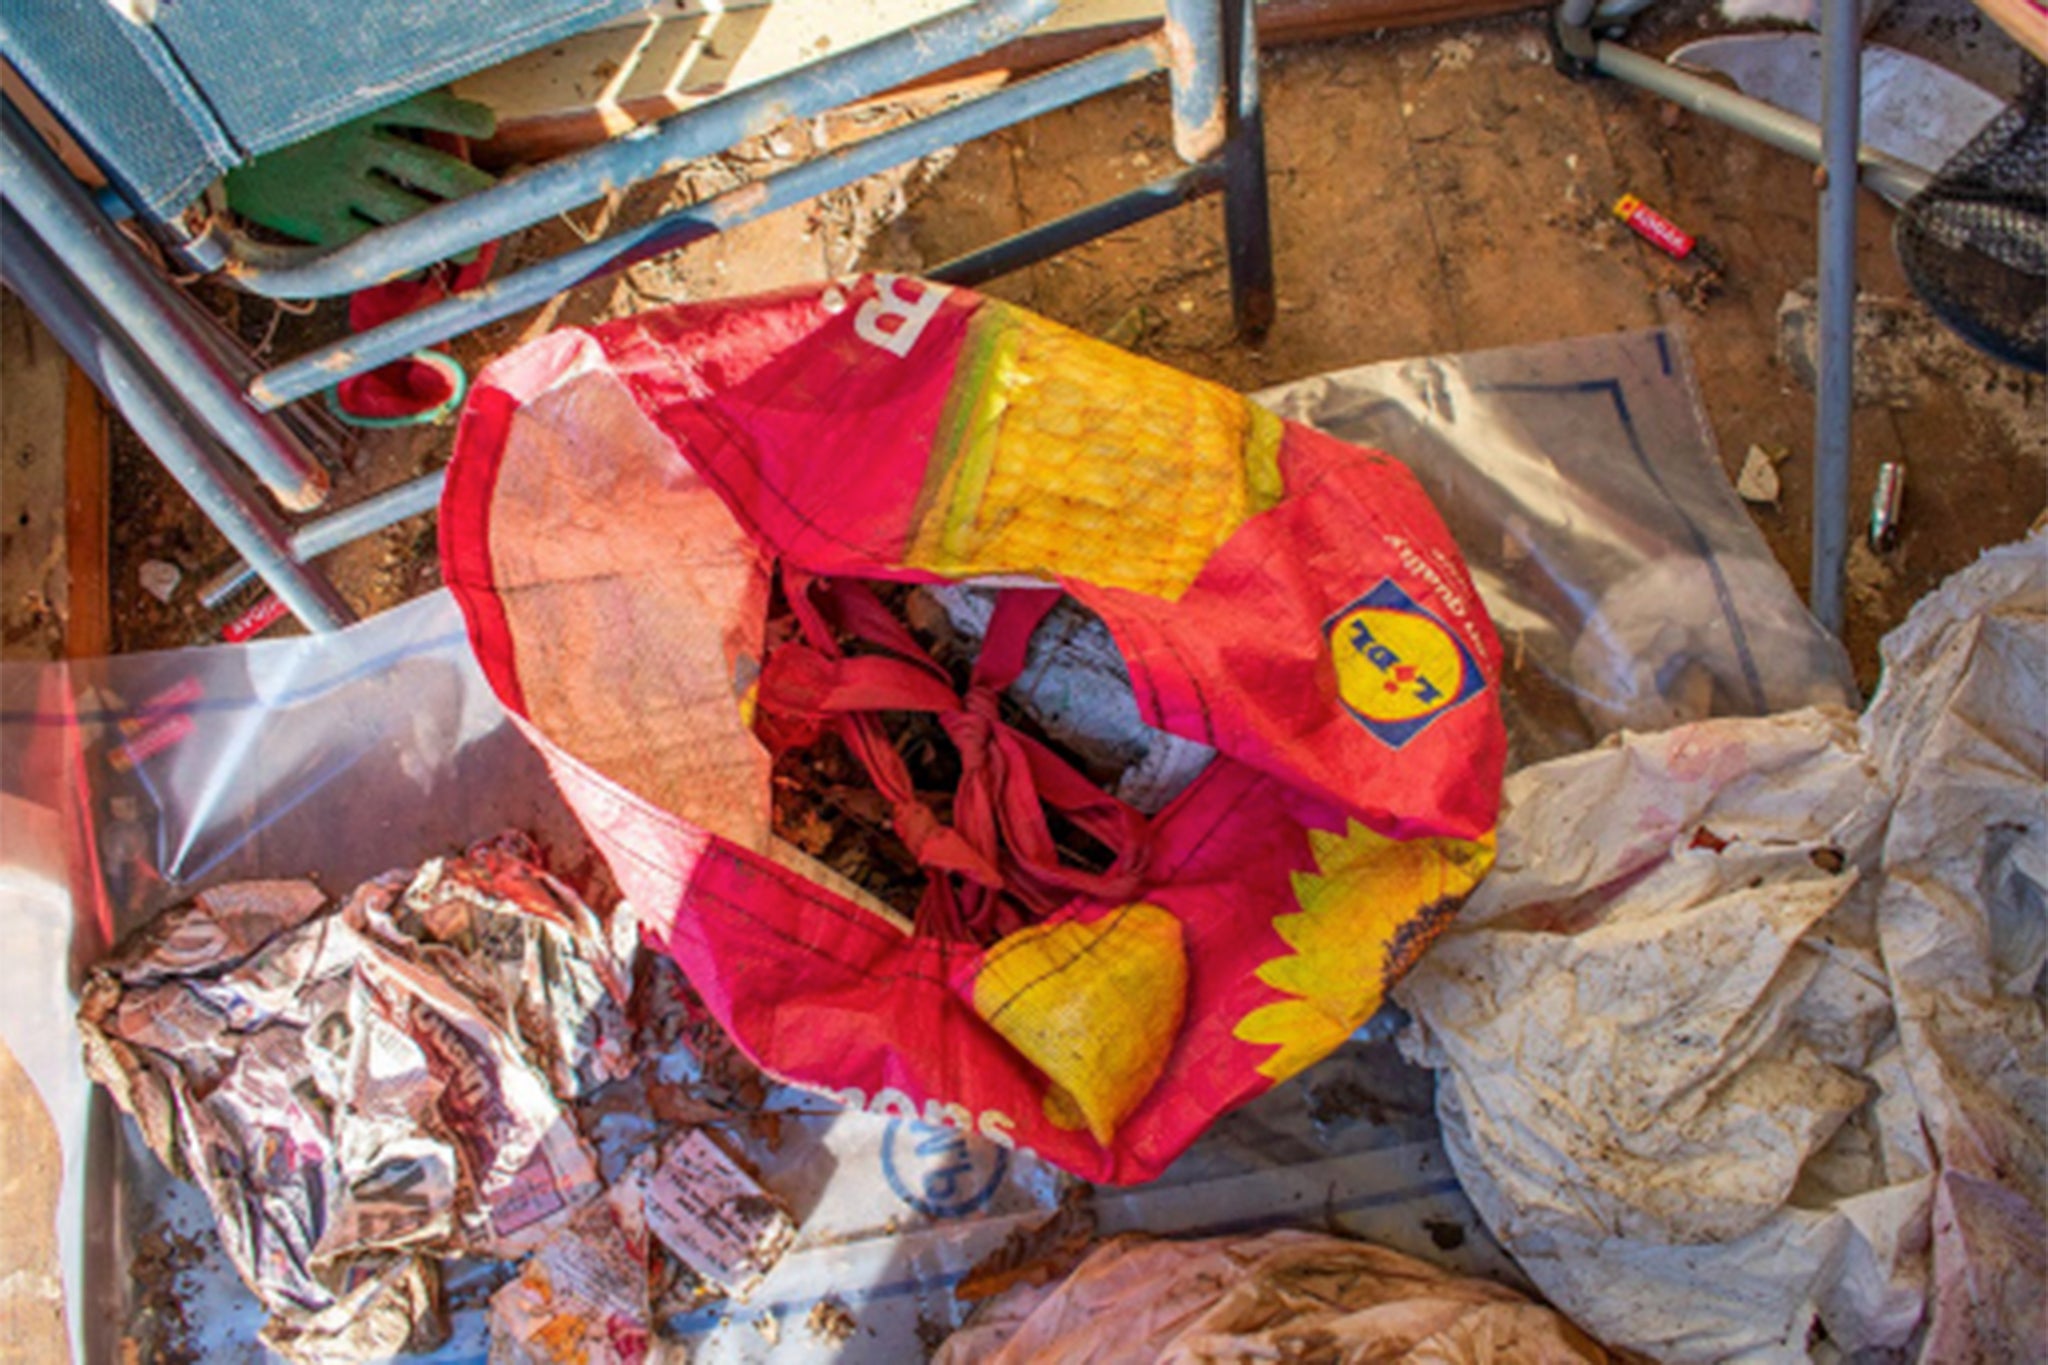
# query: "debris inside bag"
{"points": [[1076, 688], [826, 805], [1072, 696], [1285, 1295]]}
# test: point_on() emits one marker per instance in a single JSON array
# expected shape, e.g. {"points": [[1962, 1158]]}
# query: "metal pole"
{"points": [[1049, 239], [1247, 223], [337, 529], [1195, 67], [136, 391], [642, 154], [63, 218], [1841, 37], [536, 284], [1886, 175]]}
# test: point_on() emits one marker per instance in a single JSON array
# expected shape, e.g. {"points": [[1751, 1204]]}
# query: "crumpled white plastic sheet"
{"points": [[1959, 732], [1749, 1016]]}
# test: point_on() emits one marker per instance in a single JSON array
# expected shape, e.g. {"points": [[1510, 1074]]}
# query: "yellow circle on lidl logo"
{"points": [[1395, 665]]}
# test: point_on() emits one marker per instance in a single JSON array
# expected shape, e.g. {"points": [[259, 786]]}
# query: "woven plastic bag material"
{"points": [[618, 501], [1283, 1296]]}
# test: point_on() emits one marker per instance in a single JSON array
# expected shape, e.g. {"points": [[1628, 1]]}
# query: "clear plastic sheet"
{"points": [[344, 757], [130, 783], [338, 756], [1630, 588]]}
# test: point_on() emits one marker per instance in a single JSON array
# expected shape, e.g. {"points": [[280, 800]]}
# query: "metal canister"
{"points": [[1885, 504], [1654, 227]]}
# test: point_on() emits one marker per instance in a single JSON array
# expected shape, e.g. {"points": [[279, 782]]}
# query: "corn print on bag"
{"points": [[620, 505]]}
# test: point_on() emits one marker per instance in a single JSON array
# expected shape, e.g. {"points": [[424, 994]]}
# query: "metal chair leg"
{"points": [[138, 393], [71, 228], [1247, 223], [1841, 38]]}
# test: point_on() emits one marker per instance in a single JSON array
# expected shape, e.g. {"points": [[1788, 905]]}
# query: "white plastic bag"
{"points": [[1959, 732], [1678, 1077]]}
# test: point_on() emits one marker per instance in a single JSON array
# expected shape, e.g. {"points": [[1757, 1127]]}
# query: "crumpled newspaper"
{"points": [[590, 1296], [362, 1089], [1286, 1295], [584, 1295], [1750, 1012]]}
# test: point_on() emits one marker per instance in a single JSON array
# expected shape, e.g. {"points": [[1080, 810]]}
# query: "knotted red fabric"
{"points": [[619, 503]]}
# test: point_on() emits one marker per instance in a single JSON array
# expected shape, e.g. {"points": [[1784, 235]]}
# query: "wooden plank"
{"points": [[88, 630], [45, 123], [597, 85], [32, 587]]}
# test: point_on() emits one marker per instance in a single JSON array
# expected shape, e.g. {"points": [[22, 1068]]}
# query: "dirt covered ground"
{"points": [[1433, 190]]}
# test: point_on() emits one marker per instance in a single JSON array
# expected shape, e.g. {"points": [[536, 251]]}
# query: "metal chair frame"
{"points": [[1834, 146], [214, 426]]}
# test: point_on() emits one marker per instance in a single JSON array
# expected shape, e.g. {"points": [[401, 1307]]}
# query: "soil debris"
{"points": [[831, 1322], [1038, 1253], [1758, 482]]}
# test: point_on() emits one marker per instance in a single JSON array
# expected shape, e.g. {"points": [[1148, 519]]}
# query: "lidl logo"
{"points": [[1398, 666]]}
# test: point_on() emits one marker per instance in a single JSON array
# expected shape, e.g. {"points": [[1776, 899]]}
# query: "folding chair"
{"points": [[166, 97]]}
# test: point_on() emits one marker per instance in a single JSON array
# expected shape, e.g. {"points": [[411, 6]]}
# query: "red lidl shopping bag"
{"points": [[620, 502]]}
